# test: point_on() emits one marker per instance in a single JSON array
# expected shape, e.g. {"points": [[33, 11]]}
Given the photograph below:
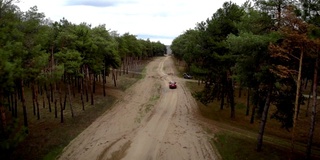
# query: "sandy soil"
{"points": [[150, 121]]}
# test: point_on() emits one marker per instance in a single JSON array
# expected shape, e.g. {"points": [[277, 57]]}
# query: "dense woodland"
{"points": [[57, 60], [269, 48]]}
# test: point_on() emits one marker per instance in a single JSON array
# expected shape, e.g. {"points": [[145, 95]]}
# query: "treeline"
{"points": [[58, 59], [268, 47]]}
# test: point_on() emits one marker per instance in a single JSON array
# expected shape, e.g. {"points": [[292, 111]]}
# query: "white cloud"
{"points": [[165, 18]]}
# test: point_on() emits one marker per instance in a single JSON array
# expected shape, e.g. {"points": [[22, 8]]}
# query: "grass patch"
{"points": [[146, 108], [233, 147]]}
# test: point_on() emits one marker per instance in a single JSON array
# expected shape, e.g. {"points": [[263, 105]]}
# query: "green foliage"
{"points": [[71, 61], [12, 136]]}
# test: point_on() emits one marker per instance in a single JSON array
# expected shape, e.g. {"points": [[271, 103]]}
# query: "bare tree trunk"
{"points": [[248, 101], [114, 78], [314, 110], [55, 109], [87, 84], [48, 98], [104, 81], [65, 100], [3, 118], [230, 92], [309, 97], [264, 119], [12, 103], [37, 102], [24, 107], [296, 104], [222, 99], [70, 102], [91, 90], [94, 83], [81, 94], [33, 99], [43, 102], [51, 92], [61, 105], [16, 104]]}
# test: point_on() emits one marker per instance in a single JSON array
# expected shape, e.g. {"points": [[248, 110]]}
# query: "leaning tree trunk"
{"points": [[296, 103], [264, 119], [314, 110]]}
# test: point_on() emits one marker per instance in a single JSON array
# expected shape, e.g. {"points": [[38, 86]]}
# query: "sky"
{"points": [[158, 20]]}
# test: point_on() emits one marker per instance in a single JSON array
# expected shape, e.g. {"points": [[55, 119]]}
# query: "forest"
{"points": [[54, 61], [267, 48]]}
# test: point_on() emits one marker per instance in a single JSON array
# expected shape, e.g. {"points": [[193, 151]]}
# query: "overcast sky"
{"points": [[158, 20]]}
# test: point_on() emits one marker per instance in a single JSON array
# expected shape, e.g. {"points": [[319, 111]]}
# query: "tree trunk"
{"points": [[248, 102], [91, 93], [87, 84], [296, 104], [314, 110], [55, 109], [65, 100], [94, 83], [16, 104], [104, 81], [12, 103], [114, 78], [48, 98], [309, 97], [70, 102], [61, 105], [264, 119], [51, 92], [81, 94], [230, 92], [222, 99], [33, 99], [3, 118], [24, 107], [37, 102], [43, 102]]}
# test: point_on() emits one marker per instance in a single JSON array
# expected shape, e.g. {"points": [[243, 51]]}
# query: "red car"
{"points": [[172, 85]]}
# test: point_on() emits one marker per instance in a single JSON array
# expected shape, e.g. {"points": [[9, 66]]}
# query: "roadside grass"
{"points": [[234, 147], [48, 137]]}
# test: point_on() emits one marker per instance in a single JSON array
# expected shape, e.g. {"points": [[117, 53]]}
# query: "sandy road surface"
{"points": [[149, 122]]}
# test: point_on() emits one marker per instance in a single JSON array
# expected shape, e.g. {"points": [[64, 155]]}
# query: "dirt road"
{"points": [[151, 121]]}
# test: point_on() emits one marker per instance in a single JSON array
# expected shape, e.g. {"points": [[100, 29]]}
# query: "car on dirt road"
{"points": [[172, 85], [187, 76]]}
